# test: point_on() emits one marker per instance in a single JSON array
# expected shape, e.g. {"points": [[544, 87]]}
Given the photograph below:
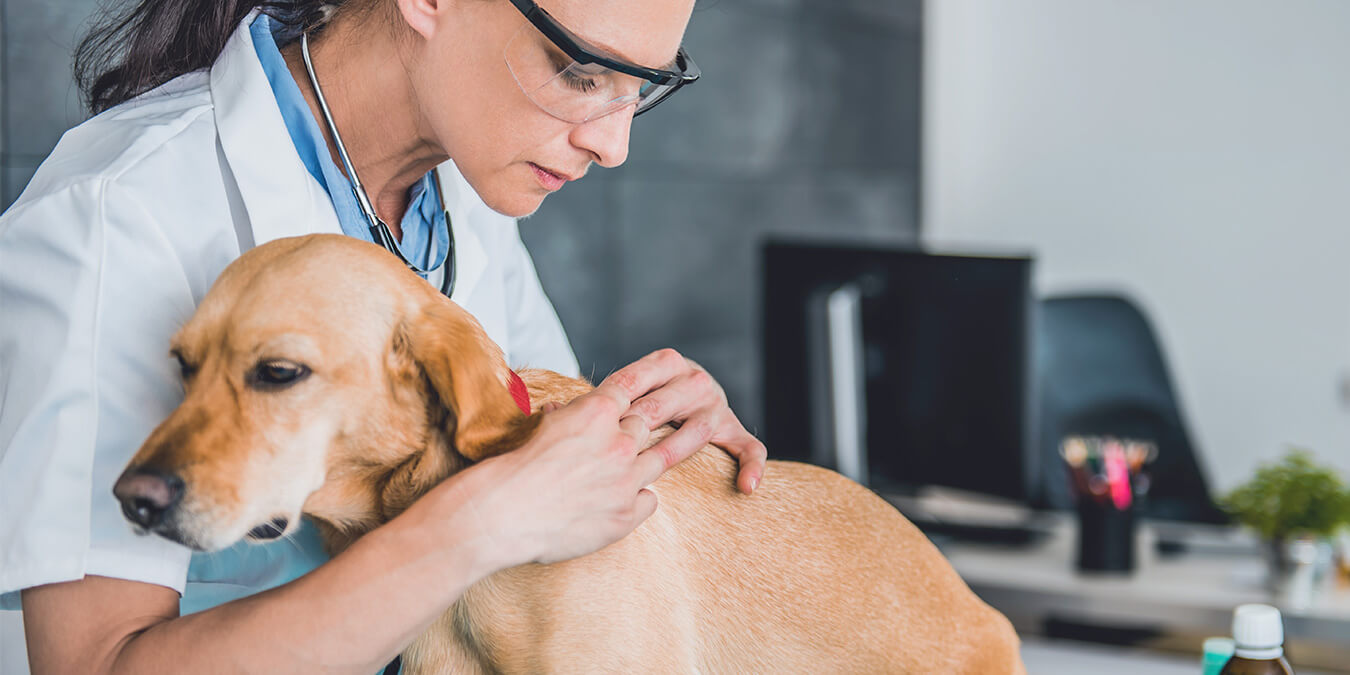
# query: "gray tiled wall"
{"points": [[806, 122], [38, 100]]}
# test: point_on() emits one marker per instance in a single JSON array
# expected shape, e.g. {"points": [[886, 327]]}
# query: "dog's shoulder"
{"points": [[546, 386]]}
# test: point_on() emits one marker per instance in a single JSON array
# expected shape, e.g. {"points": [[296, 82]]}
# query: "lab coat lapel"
{"points": [[470, 256], [279, 195]]}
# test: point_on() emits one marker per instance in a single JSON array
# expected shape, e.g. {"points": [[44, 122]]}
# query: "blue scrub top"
{"points": [[424, 234]]}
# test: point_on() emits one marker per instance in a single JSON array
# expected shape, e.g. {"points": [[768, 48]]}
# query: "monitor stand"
{"points": [[838, 391]]}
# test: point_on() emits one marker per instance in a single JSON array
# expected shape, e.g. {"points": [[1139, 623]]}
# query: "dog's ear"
{"points": [[468, 373]]}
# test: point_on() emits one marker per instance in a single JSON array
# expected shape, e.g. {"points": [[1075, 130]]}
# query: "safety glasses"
{"points": [[578, 82]]}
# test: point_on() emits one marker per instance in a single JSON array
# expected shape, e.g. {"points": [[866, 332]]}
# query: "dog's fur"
{"points": [[811, 573]]}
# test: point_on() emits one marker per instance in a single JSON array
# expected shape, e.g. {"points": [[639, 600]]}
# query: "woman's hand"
{"points": [[579, 483], [666, 387], [575, 487]]}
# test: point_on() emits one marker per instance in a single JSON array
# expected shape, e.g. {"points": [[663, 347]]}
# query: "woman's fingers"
{"points": [[643, 507], [699, 431], [753, 457], [673, 449], [668, 388], [647, 373], [678, 399], [649, 466], [633, 427]]}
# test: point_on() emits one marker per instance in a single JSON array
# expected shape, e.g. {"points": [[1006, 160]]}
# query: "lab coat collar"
{"points": [[280, 196], [470, 258]]}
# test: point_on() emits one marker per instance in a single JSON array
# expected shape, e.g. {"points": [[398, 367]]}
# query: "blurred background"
{"points": [[1141, 210]]}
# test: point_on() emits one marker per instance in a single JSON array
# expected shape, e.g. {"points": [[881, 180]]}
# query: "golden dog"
{"points": [[811, 573]]}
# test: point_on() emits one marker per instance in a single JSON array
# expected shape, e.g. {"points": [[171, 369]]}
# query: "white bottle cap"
{"points": [[1257, 628], [1220, 646]]}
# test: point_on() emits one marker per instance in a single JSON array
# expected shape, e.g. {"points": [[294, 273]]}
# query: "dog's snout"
{"points": [[147, 495]]}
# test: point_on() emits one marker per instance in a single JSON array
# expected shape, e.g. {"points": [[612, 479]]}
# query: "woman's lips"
{"points": [[550, 180]]}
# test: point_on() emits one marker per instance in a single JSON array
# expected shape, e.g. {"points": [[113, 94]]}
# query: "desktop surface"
{"points": [[1175, 599]]}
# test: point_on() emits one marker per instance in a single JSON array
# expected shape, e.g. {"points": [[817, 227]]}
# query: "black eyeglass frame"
{"points": [[583, 52]]}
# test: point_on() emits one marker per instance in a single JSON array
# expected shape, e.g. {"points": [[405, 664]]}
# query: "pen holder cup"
{"points": [[1105, 537]]}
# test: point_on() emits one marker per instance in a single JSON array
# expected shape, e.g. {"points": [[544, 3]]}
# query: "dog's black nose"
{"points": [[147, 494]]}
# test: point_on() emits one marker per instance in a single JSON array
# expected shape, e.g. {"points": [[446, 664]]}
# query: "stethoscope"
{"points": [[378, 230]]}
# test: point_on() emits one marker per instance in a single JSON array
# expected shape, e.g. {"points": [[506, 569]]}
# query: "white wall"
{"points": [[1193, 153]]}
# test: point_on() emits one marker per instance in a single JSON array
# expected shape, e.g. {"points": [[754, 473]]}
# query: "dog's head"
{"points": [[321, 377]]}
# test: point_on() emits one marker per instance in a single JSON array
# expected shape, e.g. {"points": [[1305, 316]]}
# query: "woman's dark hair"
{"points": [[146, 44]]}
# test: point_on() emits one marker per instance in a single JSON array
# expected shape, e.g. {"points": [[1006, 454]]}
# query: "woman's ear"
{"points": [[421, 15], [468, 373]]}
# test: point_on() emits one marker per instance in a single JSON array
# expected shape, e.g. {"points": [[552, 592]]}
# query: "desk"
{"points": [[1184, 597], [1066, 657]]}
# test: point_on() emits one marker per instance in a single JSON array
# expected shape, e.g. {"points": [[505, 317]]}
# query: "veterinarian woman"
{"points": [[457, 116]]}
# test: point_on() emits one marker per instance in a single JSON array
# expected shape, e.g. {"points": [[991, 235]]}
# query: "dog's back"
{"points": [[815, 571], [811, 573]]}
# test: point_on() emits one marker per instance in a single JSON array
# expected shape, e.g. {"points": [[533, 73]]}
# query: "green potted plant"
{"points": [[1287, 501]]}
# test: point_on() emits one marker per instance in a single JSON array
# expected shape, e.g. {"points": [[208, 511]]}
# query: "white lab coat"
{"points": [[116, 239]]}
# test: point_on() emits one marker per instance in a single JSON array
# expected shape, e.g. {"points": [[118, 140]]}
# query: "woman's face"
{"points": [[504, 144]]}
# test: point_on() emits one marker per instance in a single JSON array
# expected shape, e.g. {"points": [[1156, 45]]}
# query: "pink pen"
{"points": [[1118, 476]]}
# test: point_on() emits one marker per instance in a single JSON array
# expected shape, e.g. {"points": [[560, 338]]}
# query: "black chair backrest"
{"points": [[1099, 371]]}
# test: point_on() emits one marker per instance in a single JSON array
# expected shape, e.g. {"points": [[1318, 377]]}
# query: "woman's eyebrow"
{"points": [[668, 65], [606, 50]]}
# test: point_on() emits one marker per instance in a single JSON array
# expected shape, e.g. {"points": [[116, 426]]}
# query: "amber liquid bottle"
{"points": [[1258, 637]]}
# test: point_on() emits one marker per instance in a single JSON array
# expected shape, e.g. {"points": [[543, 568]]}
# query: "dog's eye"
{"points": [[277, 374], [185, 370]]}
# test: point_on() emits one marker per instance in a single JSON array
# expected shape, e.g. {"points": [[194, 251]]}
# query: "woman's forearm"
{"points": [[351, 615]]}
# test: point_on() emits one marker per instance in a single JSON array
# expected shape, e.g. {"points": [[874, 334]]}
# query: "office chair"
{"points": [[1099, 371]]}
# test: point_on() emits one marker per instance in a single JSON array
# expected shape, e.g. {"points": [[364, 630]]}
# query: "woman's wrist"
{"points": [[453, 520]]}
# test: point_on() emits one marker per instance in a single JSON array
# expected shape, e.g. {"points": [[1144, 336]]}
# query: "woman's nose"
{"points": [[147, 495], [606, 138]]}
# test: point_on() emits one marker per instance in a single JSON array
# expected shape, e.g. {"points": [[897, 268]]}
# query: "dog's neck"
{"points": [[374, 495], [357, 498]]}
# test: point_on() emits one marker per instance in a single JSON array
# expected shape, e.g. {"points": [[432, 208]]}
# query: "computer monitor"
{"points": [[900, 367]]}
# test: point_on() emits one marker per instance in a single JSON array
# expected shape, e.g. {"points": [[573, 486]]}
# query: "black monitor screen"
{"points": [[942, 363]]}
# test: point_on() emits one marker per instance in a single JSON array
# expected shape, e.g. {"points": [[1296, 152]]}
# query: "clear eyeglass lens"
{"points": [[571, 91]]}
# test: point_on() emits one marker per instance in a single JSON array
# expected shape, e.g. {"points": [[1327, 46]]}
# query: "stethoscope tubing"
{"points": [[379, 231]]}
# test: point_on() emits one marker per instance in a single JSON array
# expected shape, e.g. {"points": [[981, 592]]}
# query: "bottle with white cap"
{"points": [[1258, 641], [1218, 652]]}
